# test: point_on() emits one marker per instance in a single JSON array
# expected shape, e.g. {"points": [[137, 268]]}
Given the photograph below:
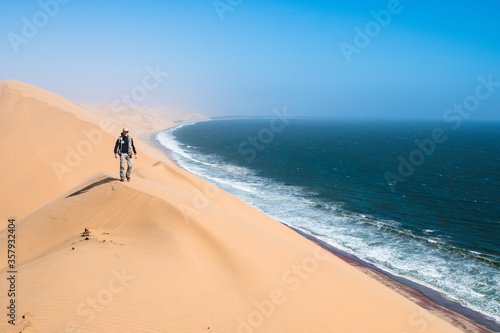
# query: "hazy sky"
{"points": [[397, 59]]}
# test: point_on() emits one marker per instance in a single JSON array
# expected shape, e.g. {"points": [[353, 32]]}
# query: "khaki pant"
{"points": [[125, 160]]}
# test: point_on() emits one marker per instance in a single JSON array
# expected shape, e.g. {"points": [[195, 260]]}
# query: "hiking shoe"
{"points": [[122, 180], [128, 179]]}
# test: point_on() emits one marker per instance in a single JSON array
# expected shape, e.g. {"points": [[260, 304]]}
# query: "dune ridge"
{"points": [[167, 252]]}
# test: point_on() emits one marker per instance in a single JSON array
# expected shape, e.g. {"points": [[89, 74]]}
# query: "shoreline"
{"points": [[452, 311]]}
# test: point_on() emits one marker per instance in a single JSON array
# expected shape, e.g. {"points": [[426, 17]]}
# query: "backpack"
{"points": [[130, 143]]}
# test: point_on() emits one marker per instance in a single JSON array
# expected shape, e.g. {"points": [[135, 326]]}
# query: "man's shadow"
{"points": [[91, 186]]}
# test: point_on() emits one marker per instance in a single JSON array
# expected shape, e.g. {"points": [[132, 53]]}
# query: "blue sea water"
{"points": [[419, 200]]}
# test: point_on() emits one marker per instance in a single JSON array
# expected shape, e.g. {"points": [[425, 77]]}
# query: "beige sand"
{"points": [[167, 252]]}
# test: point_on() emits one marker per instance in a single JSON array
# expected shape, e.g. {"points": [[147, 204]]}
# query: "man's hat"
{"points": [[125, 129]]}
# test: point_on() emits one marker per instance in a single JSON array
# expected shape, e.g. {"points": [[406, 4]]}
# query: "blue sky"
{"points": [[261, 55]]}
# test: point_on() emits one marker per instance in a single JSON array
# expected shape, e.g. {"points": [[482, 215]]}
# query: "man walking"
{"points": [[124, 147]]}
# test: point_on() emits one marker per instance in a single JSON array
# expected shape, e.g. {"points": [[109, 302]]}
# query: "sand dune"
{"points": [[47, 148], [167, 252]]}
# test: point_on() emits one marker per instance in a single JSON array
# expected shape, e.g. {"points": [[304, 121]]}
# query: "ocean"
{"points": [[419, 200]]}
